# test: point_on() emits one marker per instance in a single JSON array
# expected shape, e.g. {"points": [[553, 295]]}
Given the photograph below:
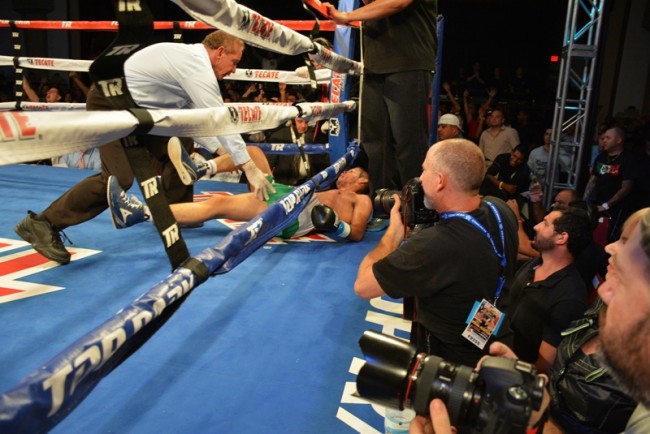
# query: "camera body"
{"points": [[412, 208], [498, 398]]}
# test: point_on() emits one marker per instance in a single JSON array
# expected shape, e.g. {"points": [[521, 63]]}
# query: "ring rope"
{"points": [[29, 136], [262, 75], [42, 106], [291, 148], [298, 25], [262, 32]]}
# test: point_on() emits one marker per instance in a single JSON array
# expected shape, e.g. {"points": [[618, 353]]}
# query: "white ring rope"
{"points": [[262, 32], [43, 106], [48, 63], [29, 136], [272, 76], [297, 77]]}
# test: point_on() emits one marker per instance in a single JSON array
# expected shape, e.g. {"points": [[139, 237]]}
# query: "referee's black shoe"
{"points": [[43, 238]]}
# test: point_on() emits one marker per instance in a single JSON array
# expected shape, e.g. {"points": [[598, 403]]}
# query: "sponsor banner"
{"points": [[289, 77]]}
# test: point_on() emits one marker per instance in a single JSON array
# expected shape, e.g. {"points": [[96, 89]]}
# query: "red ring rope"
{"points": [[298, 25]]}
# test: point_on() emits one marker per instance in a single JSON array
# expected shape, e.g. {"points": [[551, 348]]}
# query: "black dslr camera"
{"points": [[412, 209], [498, 398]]}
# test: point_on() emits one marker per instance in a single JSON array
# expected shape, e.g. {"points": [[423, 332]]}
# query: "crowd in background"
{"points": [[470, 93]]}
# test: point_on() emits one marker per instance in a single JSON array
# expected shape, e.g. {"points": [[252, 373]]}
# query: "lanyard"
{"points": [[479, 226]]}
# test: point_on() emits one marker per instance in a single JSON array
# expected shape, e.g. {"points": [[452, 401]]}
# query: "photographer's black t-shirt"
{"points": [[448, 267]]}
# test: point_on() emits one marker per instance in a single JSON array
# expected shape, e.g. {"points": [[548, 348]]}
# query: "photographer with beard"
{"points": [[453, 268], [623, 346]]}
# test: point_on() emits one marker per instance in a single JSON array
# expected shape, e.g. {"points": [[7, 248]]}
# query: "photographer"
{"points": [[460, 262], [623, 345]]}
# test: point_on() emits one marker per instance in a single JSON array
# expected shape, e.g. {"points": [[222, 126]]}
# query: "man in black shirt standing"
{"points": [[399, 54]]}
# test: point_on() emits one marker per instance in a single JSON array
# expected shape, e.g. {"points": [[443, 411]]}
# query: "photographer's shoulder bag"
{"points": [[584, 397]]}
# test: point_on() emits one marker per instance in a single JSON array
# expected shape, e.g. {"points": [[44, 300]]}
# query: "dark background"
{"points": [[504, 33]]}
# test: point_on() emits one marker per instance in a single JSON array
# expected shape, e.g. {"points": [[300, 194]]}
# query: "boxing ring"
{"points": [[268, 344], [269, 347]]}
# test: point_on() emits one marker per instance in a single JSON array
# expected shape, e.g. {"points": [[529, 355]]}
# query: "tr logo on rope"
{"points": [[129, 6]]}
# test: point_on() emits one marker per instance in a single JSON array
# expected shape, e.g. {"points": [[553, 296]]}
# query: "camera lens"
{"points": [[496, 399], [456, 385], [395, 375], [383, 202]]}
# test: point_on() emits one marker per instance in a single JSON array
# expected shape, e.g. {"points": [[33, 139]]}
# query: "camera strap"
{"points": [[501, 255]]}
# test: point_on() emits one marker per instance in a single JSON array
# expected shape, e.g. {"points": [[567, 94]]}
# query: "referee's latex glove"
{"points": [[260, 185]]}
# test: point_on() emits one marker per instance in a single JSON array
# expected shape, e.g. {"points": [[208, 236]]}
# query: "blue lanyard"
{"points": [[479, 226]]}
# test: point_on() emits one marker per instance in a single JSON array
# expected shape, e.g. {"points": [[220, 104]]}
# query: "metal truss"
{"points": [[574, 95]]}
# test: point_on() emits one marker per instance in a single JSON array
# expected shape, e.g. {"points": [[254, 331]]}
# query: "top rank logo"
{"points": [[234, 224]]}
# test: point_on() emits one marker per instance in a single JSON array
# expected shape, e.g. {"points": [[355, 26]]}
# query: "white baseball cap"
{"points": [[450, 119]]}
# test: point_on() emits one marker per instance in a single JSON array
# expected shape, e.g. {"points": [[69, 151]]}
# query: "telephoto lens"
{"points": [[412, 208], [499, 398], [383, 202]]}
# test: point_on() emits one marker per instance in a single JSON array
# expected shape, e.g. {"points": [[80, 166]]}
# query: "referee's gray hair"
{"points": [[219, 38]]}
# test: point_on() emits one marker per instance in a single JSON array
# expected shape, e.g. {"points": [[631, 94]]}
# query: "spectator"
{"points": [[613, 178], [538, 158], [641, 190], [295, 169], [449, 127], [519, 87], [497, 81], [584, 396], [254, 93], [475, 119], [269, 59], [459, 82], [79, 83], [51, 95], [88, 159], [497, 138], [474, 83], [455, 106], [548, 292], [528, 132], [508, 176]]}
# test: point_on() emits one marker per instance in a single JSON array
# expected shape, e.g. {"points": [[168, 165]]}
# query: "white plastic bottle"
{"points": [[396, 421]]}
